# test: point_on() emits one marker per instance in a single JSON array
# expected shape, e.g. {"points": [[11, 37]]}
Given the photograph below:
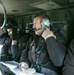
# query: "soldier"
{"points": [[46, 51]]}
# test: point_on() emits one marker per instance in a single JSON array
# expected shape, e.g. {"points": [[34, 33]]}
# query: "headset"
{"points": [[13, 26], [45, 23]]}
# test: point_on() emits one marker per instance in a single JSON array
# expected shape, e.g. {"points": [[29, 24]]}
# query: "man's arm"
{"points": [[15, 51], [14, 45], [56, 49], [24, 55], [4, 51]]}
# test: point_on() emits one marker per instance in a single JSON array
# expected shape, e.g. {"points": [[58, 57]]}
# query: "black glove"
{"points": [[36, 66], [14, 34]]}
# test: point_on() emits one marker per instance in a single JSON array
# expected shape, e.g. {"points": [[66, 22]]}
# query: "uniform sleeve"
{"points": [[68, 68], [15, 52], [56, 50], [17, 48], [4, 50], [24, 55]]}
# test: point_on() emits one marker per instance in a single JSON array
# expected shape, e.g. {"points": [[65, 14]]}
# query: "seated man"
{"points": [[45, 51], [68, 68], [17, 42]]}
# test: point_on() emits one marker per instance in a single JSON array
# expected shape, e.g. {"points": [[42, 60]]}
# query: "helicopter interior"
{"points": [[60, 12]]}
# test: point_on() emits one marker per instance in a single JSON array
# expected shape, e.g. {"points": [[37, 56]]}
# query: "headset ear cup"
{"points": [[45, 23]]}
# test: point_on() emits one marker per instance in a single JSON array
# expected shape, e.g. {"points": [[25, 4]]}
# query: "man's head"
{"points": [[11, 24], [9, 27], [37, 25], [40, 23]]}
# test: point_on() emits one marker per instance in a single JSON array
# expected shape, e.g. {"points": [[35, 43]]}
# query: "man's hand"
{"points": [[14, 42], [47, 33], [23, 66], [14, 34]]}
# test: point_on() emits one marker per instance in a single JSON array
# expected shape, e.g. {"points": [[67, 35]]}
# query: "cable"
{"points": [[4, 12]]}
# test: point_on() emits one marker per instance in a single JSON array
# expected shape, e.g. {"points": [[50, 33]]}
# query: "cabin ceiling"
{"points": [[14, 7]]}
